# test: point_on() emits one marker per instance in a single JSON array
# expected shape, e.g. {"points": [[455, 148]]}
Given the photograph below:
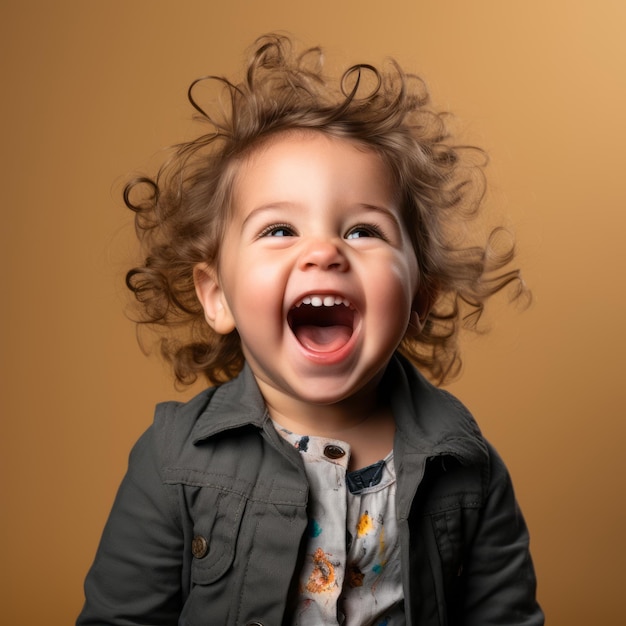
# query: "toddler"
{"points": [[312, 257]]}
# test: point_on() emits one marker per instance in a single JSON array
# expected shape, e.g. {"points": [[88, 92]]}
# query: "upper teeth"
{"points": [[323, 301]]}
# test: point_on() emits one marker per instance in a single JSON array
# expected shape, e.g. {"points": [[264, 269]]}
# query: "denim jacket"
{"points": [[208, 524]]}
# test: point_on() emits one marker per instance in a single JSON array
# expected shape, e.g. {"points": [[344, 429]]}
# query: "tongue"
{"points": [[323, 338]]}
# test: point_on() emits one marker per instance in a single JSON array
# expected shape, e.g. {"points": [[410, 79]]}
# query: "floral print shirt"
{"points": [[351, 574]]}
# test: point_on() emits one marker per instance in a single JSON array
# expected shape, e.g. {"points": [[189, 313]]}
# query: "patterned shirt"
{"points": [[351, 575]]}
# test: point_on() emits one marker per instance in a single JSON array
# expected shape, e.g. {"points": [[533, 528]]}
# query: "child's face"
{"points": [[316, 271]]}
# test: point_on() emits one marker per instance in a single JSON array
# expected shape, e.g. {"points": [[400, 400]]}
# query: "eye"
{"points": [[277, 230], [365, 230]]}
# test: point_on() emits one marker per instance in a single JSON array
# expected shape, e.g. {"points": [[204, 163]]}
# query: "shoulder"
{"points": [[162, 442], [439, 431], [433, 422], [214, 428], [174, 422]]}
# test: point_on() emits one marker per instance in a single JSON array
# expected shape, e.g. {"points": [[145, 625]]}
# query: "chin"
{"points": [[327, 392]]}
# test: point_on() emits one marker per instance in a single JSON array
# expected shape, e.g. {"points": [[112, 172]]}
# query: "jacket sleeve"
{"points": [[136, 576], [500, 584]]}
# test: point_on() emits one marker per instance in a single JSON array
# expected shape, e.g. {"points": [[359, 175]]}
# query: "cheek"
{"points": [[255, 290], [264, 278], [391, 297], [412, 273], [402, 281]]}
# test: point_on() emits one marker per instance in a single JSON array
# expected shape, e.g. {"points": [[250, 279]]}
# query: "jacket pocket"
{"points": [[448, 531], [215, 534]]}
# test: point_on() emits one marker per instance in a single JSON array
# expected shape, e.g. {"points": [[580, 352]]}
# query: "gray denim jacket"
{"points": [[208, 523]]}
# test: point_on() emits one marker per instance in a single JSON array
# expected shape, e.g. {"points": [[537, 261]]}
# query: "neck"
{"points": [[324, 420], [364, 421]]}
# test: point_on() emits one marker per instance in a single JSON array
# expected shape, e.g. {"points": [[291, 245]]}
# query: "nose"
{"points": [[324, 254]]}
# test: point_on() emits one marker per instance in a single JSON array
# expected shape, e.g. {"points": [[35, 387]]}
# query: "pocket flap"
{"points": [[215, 539]]}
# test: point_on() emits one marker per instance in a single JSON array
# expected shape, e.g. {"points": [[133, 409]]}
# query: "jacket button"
{"points": [[254, 624], [199, 546], [333, 452]]}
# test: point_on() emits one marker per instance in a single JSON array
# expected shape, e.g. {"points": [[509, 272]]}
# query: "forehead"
{"points": [[301, 161]]}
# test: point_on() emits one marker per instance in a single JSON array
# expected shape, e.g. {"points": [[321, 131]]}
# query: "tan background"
{"points": [[92, 90]]}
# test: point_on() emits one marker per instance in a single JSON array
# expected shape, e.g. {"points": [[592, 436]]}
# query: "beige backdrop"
{"points": [[92, 90]]}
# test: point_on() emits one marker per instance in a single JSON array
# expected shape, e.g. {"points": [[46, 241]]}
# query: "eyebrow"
{"points": [[292, 205], [266, 207], [384, 210]]}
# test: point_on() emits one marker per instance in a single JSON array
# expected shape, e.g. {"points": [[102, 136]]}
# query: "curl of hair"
{"points": [[181, 213]]}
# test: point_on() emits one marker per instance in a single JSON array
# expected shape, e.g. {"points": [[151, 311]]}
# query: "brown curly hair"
{"points": [[181, 213]]}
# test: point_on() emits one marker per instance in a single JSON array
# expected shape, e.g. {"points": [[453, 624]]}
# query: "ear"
{"points": [[211, 296], [422, 304]]}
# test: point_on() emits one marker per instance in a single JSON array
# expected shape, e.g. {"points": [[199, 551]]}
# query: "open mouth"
{"points": [[322, 323]]}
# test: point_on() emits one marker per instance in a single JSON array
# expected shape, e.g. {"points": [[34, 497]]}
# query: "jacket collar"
{"points": [[430, 421], [234, 404]]}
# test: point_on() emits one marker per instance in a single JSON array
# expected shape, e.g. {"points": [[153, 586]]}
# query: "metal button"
{"points": [[199, 546], [333, 452], [254, 624]]}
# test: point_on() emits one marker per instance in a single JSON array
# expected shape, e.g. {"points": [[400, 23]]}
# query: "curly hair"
{"points": [[181, 213]]}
